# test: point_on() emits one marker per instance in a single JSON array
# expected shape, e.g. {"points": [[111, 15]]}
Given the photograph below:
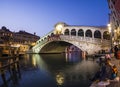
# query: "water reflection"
{"points": [[60, 78], [66, 70], [74, 56], [39, 62]]}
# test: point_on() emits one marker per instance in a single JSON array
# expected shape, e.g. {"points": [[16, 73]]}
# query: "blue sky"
{"points": [[40, 16]]}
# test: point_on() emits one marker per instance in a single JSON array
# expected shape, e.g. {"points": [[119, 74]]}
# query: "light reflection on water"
{"points": [[53, 70]]}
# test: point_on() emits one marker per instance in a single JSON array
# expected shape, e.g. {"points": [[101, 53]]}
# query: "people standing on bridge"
{"points": [[58, 37], [52, 36], [115, 51], [48, 38]]}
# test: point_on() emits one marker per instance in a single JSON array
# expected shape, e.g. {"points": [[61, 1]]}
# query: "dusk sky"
{"points": [[40, 16]]}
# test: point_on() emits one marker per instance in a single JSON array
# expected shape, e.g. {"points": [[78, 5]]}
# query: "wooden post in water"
{"points": [[11, 65], [15, 70], [4, 78], [18, 69], [18, 66]]}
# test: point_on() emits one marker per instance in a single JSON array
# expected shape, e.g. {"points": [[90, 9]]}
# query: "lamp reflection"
{"points": [[34, 62], [60, 78]]}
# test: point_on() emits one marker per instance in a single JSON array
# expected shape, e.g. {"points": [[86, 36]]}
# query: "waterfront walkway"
{"points": [[111, 83]]}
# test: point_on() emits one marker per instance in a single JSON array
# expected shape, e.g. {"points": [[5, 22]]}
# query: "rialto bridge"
{"points": [[87, 38]]}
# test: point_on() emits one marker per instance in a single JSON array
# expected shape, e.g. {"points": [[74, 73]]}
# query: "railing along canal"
{"points": [[9, 65]]}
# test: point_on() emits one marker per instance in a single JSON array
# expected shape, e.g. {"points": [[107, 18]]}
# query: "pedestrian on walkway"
{"points": [[115, 51], [106, 70], [114, 72]]}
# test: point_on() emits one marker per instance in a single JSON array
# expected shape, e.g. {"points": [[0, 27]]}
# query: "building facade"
{"points": [[114, 17], [21, 40], [24, 37]]}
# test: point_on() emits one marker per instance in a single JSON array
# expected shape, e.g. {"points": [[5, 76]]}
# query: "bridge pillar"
{"points": [[83, 54]]}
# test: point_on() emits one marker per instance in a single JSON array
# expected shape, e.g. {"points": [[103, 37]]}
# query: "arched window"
{"points": [[66, 32], [88, 33], [73, 32], [45, 38], [52, 34], [106, 35], [97, 34], [80, 32]]}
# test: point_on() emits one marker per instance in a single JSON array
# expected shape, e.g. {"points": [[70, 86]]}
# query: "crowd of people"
{"points": [[54, 37], [116, 49], [107, 72]]}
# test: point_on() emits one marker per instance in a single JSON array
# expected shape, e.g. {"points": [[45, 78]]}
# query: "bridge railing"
{"points": [[75, 38], [72, 39], [42, 40], [84, 39]]}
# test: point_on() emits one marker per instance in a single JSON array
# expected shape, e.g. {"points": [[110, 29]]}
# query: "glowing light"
{"points": [[34, 61], [33, 44], [109, 28], [59, 28], [15, 45], [60, 78]]}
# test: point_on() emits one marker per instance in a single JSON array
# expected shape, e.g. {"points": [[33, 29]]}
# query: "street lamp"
{"points": [[59, 28], [110, 32], [109, 28]]}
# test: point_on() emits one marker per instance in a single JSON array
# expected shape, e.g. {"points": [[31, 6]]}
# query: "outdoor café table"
{"points": [[103, 83]]}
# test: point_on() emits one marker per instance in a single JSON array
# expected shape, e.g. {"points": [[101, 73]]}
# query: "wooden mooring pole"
{"points": [[10, 64], [4, 78]]}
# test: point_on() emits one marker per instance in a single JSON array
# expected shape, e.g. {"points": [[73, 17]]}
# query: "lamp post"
{"points": [[110, 32], [59, 29]]}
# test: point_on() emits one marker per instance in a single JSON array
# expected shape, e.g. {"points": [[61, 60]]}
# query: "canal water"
{"points": [[56, 70]]}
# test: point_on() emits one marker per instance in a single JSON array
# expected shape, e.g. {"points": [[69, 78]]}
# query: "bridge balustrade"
{"points": [[76, 38], [71, 39]]}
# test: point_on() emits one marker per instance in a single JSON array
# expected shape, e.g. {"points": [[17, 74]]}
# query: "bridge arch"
{"points": [[106, 35], [51, 47], [80, 32], [67, 32], [97, 34], [73, 32], [88, 33]]}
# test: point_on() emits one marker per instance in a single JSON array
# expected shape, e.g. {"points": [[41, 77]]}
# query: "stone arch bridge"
{"points": [[87, 38]]}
